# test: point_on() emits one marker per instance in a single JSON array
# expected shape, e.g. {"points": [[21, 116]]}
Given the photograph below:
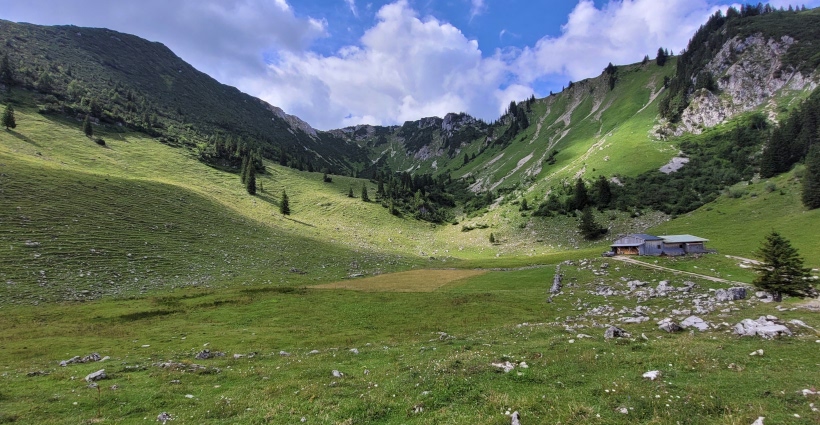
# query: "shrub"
{"points": [[99, 141]]}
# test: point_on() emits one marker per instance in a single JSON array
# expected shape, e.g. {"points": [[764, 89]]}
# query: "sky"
{"points": [[337, 63]]}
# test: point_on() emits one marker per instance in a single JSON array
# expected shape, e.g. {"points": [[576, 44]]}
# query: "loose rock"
{"points": [[616, 332], [695, 322], [96, 376]]}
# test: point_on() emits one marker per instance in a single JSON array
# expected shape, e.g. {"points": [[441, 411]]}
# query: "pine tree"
{"points": [[811, 181], [284, 207], [580, 198], [8, 118], [243, 171], [250, 183], [781, 271], [87, 128], [365, 198], [589, 228], [662, 56]]}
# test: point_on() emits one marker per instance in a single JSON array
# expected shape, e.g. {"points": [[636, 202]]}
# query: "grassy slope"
{"points": [[736, 224]]}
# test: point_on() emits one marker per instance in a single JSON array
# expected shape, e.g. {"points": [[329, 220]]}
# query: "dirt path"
{"points": [[657, 267]]}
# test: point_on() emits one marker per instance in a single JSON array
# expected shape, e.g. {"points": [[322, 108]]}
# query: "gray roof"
{"points": [[644, 236], [682, 239]]}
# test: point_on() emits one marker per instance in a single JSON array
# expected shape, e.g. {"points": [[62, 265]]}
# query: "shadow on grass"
{"points": [[146, 315], [23, 137]]}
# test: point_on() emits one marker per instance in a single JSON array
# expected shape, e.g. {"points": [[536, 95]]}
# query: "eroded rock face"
{"points": [[749, 72]]}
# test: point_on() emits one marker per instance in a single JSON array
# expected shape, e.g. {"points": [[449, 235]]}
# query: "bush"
{"points": [[99, 141]]}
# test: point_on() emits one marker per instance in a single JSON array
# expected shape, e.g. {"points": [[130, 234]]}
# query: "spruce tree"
{"points": [[811, 181], [243, 171], [365, 198], [350, 192], [87, 128], [781, 270], [580, 198], [492, 238], [589, 228], [662, 56], [8, 118], [250, 183], [284, 207]]}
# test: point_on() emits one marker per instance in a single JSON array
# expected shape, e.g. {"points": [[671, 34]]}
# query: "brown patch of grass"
{"points": [[412, 281]]}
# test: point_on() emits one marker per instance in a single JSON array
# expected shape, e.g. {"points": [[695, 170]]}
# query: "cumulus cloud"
{"points": [[404, 68], [619, 32]]}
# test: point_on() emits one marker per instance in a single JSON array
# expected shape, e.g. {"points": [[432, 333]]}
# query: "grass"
{"points": [[764, 206], [423, 358], [412, 281]]}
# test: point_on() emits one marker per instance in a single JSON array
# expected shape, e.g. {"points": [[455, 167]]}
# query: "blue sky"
{"points": [[337, 63]]}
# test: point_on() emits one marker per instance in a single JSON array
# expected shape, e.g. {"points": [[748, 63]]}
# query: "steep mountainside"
{"points": [[123, 80]]}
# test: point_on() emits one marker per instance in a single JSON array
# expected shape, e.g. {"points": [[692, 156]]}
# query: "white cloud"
{"points": [[405, 68], [352, 5], [619, 32], [477, 7]]}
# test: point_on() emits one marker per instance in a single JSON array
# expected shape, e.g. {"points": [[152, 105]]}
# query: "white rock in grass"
{"points": [[506, 366], [515, 419], [354, 350], [759, 421], [652, 374], [756, 353], [808, 392], [623, 410], [337, 374], [695, 322]]}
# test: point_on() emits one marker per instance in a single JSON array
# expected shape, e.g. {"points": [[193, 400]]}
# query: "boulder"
{"points": [[762, 327], [616, 332], [731, 294], [669, 326], [96, 376], [164, 417], [635, 284], [694, 322], [207, 354]]}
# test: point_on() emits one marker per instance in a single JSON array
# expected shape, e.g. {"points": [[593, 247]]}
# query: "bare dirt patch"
{"points": [[412, 281]]}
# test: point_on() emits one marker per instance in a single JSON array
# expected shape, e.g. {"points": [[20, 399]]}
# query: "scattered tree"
{"points": [[492, 238], [250, 182], [8, 118], [284, 207], [44, 83], [589, 228], [580, 198], [524, 205], [327, 179], [811, 181], [87, 128], [365, 198], [781, 271], [662, 57], [350, 192]]}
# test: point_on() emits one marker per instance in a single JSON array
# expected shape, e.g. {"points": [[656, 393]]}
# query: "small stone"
{"points": [[284, 353], [616, 332], [623, 410], [337, 374], [506, 366], [756, 353], [515, 419], [189, 396], [354, 350], [164, 417], [652, 374]]}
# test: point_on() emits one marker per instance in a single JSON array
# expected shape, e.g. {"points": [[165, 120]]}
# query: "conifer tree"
{"points": [[365, 198], [243, 171], [250, 182], [492, 238], [589, 228], [350, 192], [811, 181], [87, 128], [8, 118], [580, 198], [662, 56], [781, 270], [284, 207]]}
